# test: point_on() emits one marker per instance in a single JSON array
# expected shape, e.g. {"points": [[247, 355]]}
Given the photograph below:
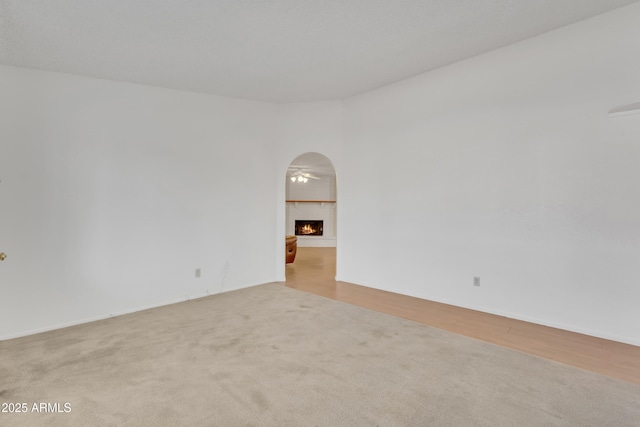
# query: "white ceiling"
{"points": [[270, 50]]}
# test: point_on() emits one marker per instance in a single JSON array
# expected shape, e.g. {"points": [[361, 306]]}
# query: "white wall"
{"points": [[112, 194], [323, 187], [505, 166]]}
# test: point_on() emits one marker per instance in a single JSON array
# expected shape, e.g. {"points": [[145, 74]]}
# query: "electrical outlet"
{"points": [[198, 272], [476, 281]]}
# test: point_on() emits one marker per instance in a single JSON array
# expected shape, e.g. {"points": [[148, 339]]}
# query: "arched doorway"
{"points": [[310, 216]]}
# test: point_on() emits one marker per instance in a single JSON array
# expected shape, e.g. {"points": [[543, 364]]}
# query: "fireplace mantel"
{"points": [[311, 201]]}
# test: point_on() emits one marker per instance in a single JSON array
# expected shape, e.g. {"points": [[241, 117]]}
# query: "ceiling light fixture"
{"points": [[301, 177]]}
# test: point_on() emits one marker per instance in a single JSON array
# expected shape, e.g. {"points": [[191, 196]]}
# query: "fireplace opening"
{"points": [[305, 227]]}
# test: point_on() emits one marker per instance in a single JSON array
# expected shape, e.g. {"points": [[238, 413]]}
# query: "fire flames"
{"points": [[307, 229]]}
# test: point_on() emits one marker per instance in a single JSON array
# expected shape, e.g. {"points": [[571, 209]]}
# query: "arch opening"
{"points": [[310, 219]]}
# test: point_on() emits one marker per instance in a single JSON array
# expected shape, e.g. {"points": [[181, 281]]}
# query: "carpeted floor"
{"points": [[274, 356]]}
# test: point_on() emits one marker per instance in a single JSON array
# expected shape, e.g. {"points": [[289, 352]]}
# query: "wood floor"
{"points": [[314, 271]]}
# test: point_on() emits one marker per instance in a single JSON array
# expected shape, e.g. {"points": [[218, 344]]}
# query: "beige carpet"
{"points": [[274, 356]]}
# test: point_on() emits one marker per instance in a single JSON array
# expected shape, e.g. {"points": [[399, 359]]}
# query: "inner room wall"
{"points": [[505, 167], [313, 200], [113, 194]]}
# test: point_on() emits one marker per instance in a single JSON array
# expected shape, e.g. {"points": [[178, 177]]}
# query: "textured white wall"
{"points": [[505, 166], [112, 195]]}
